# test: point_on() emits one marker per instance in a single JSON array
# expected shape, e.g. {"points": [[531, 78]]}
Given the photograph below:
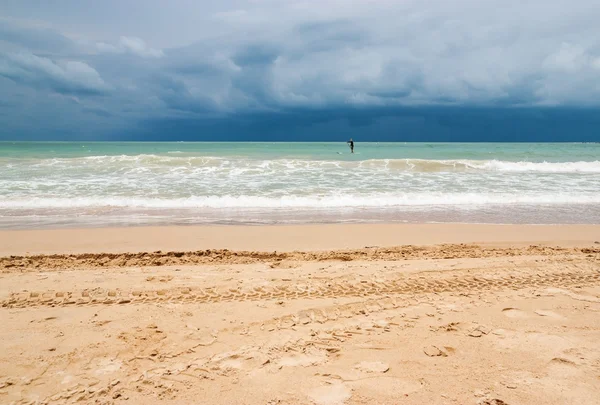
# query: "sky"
{"points": [[404, 70]]}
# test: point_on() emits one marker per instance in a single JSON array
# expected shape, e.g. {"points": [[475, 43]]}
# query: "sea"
{"points": [[96, 184]]}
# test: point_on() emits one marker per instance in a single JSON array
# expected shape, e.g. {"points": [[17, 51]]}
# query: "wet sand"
{"points": [[285, 237]]}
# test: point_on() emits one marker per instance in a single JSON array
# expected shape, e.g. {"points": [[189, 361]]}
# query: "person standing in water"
{"points": [[351, 144]]}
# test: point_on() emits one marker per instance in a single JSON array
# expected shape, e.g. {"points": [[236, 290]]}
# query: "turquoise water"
{"points": [[533, 152], [50, 184]]}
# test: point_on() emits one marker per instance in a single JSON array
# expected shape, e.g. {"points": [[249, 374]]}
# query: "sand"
{"points": [[357, 314], [285, 237]]}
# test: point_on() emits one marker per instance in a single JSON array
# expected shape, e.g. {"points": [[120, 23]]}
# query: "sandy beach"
{"points": [[312, 314]]}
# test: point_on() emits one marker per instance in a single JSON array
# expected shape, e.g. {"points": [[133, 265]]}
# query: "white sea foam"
{"points": [[341, 201], [546, 167], [411, 165]]}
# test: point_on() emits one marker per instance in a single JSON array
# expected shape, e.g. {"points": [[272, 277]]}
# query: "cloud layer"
{"points": [[67, 77], [235, 61], [135, 46]]}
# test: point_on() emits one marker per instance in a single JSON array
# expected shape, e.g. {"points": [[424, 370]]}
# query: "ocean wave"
{"points": [[408, 165], [424, 165], [340, 201]]}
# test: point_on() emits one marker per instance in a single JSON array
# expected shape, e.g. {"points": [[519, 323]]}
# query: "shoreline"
{"points": [[286, 238]]}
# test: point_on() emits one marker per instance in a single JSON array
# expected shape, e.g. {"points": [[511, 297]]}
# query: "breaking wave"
{"points": [[411, 165]]}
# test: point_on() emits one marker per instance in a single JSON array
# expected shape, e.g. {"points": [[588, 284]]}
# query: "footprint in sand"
{"points": [[108, 366], [334, 394], [303, 360], [233, 363], [433, 351], [514, 313], [372, 367], [241, 360], [384, 388], [549, 314], [564, 368]]}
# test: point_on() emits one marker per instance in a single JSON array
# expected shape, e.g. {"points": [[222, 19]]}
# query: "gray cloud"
{"points": [[132, 45], [202, 59], [32, 37], [70, 77]]}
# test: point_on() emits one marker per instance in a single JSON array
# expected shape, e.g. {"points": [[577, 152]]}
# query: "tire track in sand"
{"points": [[331, 289], [224, 256]]}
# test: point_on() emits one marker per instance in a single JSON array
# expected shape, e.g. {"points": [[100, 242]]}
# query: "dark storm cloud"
{"points": [[406, 124]]}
